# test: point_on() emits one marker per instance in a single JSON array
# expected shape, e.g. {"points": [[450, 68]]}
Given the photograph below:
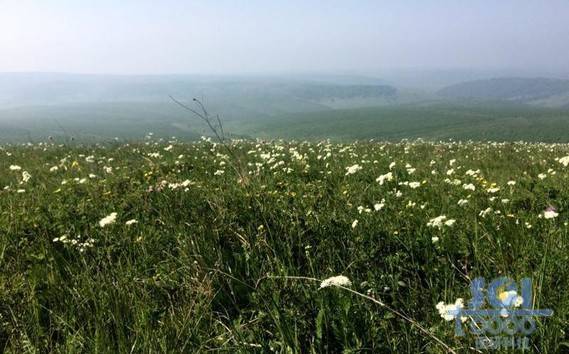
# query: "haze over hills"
{"points": [[538, 91], [104, 106], [34, 106], [53, 89]]}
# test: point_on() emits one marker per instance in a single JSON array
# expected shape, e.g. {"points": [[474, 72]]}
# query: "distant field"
{"points": [[484, 121], [271, 117]]}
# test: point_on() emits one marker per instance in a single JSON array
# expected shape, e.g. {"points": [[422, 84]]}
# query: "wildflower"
{"points": [[15, 168], [493, 190], [451, 311], [108, 220], [450, 222], [469, 186], [414, 185], [550, 213], [485, 212], [350, 170], [338, 280], [511, 183], [542, 176], [440, 221], [26, 176], [219, 172], [564, 161], [386, 177], [355, 223], [434, 239], [462, 202], [131, 222], [379, 206]]}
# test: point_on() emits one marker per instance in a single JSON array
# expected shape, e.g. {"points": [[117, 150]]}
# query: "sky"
{"points": [[282, 36]]}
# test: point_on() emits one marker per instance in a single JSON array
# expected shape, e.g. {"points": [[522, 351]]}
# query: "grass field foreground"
{"points": [[164, 246]]}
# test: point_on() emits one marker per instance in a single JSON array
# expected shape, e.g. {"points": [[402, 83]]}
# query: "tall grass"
{"points": [[210, 265]]}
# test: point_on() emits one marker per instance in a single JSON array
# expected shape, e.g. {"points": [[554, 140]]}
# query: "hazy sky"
{"points": [[266, 36]]}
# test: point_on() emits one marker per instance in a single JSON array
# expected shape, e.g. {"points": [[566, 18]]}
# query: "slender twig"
{"points": [[380, 303], [218, 130]]}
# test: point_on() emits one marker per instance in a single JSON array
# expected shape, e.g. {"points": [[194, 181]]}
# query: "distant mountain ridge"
{"points": [[540, 91], [52, 89]]}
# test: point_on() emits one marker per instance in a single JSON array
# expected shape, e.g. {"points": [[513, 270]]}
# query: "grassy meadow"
{"points": [[466, 120], [165, 246]]}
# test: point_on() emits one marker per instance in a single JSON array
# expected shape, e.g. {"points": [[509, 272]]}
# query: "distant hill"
{"points": [[318, 92], [53, 89], [539, 91], [89, 106]]}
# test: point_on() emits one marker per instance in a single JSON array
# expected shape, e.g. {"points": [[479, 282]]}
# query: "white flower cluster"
{"points": [[450, 311], [76, 242], [440, 221], [339, 280], [108, 220], [350, 170]]}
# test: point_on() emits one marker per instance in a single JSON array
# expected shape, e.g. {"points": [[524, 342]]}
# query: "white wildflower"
{"points": [[338, 280], [414, 185], [440, 221], [564, 161], [451, 311], [386, 177], [379, 206], [108, 220], [26, 176], [462, 202], [450, 222], [350, 170], [485, 212]]}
